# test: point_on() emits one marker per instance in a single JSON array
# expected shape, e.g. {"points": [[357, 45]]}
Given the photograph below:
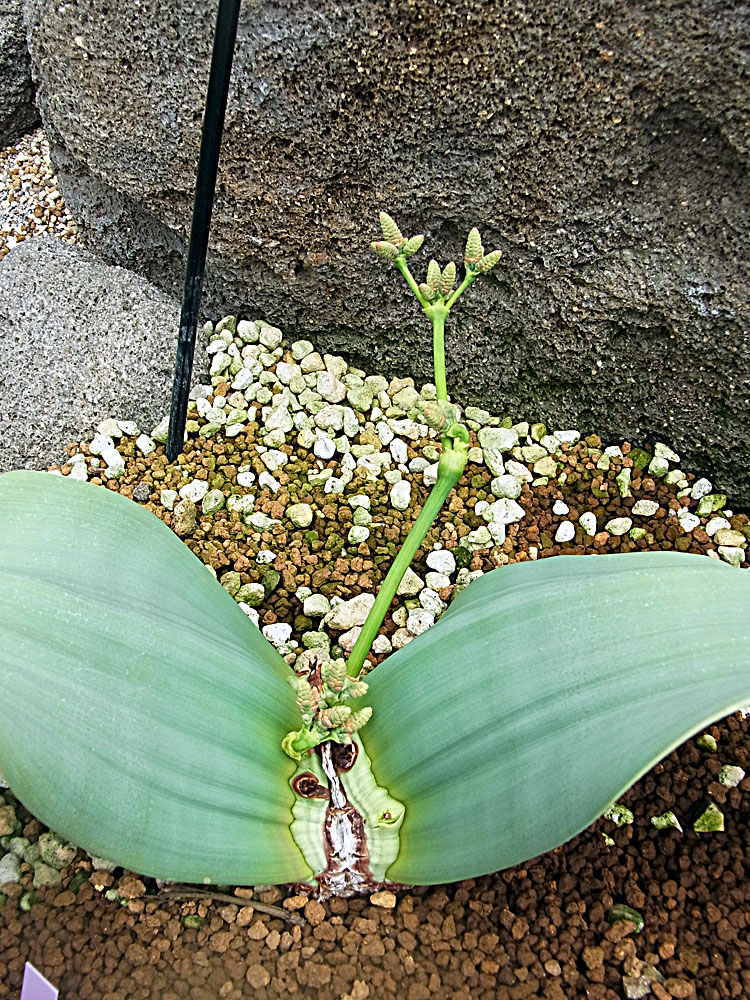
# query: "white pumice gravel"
{"points": [[645, 508], [587, 521], [400, 494], [618, 525]]}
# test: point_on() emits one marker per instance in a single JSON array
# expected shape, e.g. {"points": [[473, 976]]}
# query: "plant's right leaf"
{"points": [[543, 693]]}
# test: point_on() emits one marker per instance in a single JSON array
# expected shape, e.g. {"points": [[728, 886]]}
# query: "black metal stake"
{"points": [[205, 187]]}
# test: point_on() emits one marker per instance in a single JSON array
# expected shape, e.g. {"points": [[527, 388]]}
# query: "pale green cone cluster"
{"points": [[438, 286], [393, 244], [474, 256], [320, 700]]}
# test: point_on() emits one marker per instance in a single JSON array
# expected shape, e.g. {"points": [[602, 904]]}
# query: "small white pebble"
{"points": [[195, 490], [431, 601], [519, 471], [324, 448], [618, 525], [144, 444], [701, 488], [688, 520], [400, 494], [100, 443], [587, 521], [381, 645], [277, 634], [566, 532], [111, 456], [731, 775], [442, 561], [568, 437], [251, 613], [384, 433], [716, 524], [430, 474], [401, 637], [419, 621], [265, 480], [360, 500]]}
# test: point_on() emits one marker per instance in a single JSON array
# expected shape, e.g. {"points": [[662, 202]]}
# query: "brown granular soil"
{"points": [[537, 930]]}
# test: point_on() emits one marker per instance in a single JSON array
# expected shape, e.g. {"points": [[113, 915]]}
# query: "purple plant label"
{"points": [[35, 986]]}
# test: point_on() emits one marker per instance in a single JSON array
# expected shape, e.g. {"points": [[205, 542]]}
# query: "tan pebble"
{"points": [[360, 991], [130, 887], [258, 976], [273, 939], [386, 900], [314, 912], [372, 946], [294, 902], [520, 928], [593, 957], [258, 931], [245, 916], [678, 987], [318, 975], [220, 941]]}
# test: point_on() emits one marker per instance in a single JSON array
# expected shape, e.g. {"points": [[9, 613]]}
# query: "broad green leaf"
{"points": [[142, 712], [543, 693]]}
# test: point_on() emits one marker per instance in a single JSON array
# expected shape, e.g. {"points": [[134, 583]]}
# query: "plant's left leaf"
{"points": [[142, 712]]}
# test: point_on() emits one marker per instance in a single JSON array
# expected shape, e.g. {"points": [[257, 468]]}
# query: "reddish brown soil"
{"points": [[536, 931]]}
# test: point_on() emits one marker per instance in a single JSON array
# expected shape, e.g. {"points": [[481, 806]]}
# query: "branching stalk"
{"points": [[436, 296], [321, 696], [468, 278], [450, 469], [437, 314], [403, 267]]}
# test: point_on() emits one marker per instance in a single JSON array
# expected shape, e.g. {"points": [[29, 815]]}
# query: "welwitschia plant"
{"points": [[144, 714]]}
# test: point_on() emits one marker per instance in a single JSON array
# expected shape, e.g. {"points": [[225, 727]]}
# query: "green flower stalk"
{"points": [[320, 696], [437, 296]]}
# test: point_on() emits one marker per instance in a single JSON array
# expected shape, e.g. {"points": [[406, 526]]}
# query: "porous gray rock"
{"points": [[81, 340], [18, 112], [603, 149]]}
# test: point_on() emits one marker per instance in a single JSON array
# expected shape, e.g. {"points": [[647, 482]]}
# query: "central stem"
{"points": [[450, 468], [437, 314]]}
